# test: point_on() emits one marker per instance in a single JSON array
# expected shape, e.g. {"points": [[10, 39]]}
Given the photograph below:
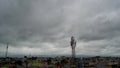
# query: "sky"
{"points": [[44, 27]]}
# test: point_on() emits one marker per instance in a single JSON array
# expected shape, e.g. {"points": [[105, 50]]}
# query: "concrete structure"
{"points": [[73, 45]]}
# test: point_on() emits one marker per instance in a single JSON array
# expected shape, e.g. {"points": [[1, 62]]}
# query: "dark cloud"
{"points": [[45, 26]]}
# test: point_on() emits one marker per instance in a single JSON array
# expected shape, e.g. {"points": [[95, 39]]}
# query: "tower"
{"points": [[6, 54], [73, 45]]}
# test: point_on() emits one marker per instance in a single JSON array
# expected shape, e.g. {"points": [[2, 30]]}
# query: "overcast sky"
{"points": [[44, 27]]}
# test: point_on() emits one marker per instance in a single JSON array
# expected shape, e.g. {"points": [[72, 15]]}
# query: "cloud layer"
{"points": [[44, 27]]}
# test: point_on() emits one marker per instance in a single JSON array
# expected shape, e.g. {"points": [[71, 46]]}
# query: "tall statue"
{"points": [[73, 45]]}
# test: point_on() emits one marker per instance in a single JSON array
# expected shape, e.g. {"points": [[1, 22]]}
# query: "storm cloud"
{"points": [[44, 27]]}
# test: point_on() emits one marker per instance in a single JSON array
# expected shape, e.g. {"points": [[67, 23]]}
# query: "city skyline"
{"points": [[44, 27]]}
